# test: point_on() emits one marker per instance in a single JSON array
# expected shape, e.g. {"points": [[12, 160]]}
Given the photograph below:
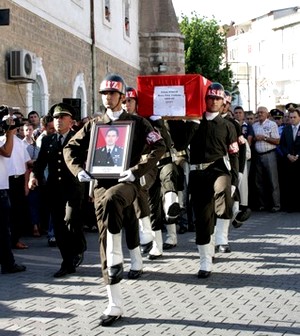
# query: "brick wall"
{"points": [[63, 57]]}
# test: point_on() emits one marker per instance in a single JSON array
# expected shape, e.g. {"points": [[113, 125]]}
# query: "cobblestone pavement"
{"points": [[253, 291]]}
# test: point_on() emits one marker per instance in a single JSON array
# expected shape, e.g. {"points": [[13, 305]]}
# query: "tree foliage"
{"points": [[205, 47]]}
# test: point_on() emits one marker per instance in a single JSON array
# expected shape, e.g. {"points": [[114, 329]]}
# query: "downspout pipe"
{"points": [[93, 56]]}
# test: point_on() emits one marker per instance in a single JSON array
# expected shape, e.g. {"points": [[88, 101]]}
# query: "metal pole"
{"points": [[255, 88], [248, 86]]}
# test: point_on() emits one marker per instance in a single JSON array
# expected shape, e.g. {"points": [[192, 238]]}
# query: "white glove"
{"points": [[232, 190], [126, 176], [154, 118], [196, 121], [83, 176]]}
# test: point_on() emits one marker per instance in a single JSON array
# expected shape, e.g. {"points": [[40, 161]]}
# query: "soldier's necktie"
{"points": [[60, 140]]}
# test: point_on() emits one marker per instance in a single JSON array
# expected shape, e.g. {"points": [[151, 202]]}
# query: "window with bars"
{"points": [[126, 18], [107, 12]]}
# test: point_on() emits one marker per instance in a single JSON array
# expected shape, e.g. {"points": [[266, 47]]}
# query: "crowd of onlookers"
{"points": [[275, 145], [29, 215]]}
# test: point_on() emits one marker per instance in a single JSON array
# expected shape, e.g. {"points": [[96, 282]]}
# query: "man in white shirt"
{"points": [[17, 167], [266, 138], [7, 259]]}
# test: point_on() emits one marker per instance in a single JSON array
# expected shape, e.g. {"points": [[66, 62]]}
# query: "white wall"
{"points": [[74, 17], [111, 36], [274, 59]]}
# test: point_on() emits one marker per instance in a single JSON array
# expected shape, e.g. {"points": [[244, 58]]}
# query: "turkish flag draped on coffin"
{"points": [[180, 96]]}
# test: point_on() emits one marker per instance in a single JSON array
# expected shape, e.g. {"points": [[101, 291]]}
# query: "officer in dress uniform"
{"points": [[277, 116], [291, 106], [114, 198], [65, 192], [110, 154]]}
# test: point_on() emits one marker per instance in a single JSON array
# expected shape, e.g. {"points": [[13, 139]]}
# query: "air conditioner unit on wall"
{"points": [[22, 65]]}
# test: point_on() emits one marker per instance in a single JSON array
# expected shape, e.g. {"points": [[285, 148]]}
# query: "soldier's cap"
{"points": [[62, 109], [291, 105], [276, 113]]}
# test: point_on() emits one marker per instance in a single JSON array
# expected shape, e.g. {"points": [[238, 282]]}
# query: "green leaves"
{"points": [[205, 49]]}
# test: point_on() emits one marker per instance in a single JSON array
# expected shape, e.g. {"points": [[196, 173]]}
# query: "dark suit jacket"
{"points": [[51, 155], [287, 143], [102, 158]]}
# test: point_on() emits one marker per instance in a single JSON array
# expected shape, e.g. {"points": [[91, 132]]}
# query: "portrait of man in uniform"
{"points": [[110, 154], [109, 149]]}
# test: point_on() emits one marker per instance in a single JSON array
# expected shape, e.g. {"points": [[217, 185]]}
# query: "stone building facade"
{"points": [[74, 44]]}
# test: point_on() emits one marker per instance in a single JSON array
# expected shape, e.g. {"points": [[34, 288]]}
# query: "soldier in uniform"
{"points": [[214, 173], [142, 201], [110, 154], [114, 198], [65, 192], [291, 107], [163, 195], [239, 215], [277, 116]]}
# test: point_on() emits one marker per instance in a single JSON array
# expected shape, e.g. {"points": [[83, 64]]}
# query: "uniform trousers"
{"points": [[210, 191], [166, 181], [33, 198], [65, 210], [183, 167], [6, 255], [142, 201], [115, 211]]}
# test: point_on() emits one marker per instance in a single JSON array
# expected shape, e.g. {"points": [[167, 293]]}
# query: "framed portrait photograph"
{"points": [[110, 149]]}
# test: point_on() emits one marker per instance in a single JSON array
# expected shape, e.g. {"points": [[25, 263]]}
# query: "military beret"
{"points": [[276, 113], [61, 109], [291, 105]]}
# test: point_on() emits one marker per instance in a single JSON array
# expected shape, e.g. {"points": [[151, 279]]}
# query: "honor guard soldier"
{"points": [[214, 173], [163, 195], [222, 226], [114, 198], [142, 202], [181, 152]]}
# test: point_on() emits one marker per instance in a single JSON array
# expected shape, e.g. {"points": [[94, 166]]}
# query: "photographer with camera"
{"points": [[9, 126], [17, 167]]}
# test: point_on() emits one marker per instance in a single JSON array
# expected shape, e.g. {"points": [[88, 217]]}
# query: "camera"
{"points": [[7, 119]]}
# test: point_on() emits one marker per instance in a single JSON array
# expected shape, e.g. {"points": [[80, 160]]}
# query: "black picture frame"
{"points": [[101, 163]]}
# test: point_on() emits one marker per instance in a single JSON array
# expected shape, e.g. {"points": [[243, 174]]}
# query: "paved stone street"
{"points": [[253, 291]]}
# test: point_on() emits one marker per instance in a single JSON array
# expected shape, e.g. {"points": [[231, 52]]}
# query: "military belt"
{"points": [[201, 166]]}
